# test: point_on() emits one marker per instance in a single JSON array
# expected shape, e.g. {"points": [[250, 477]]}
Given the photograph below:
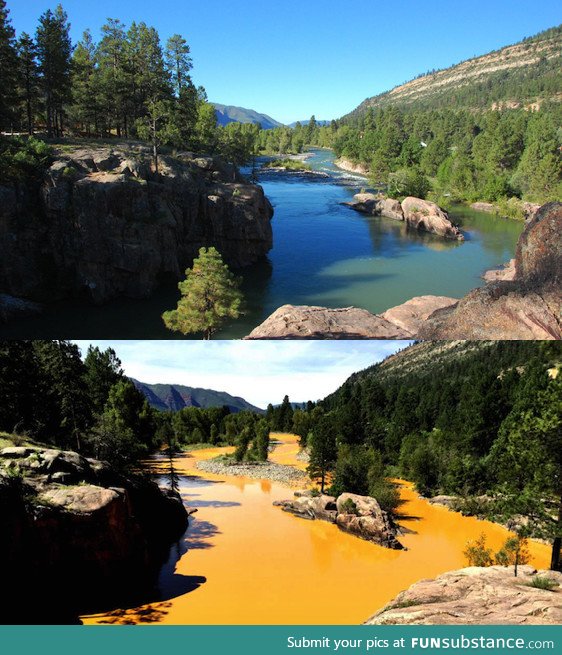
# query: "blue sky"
{"points": [[293, 58], [259, 371]]}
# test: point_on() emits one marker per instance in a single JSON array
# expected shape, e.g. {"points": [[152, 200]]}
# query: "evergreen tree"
{"points": [[178, 62], [85, 110], [54, 50], [323, 450], [262, 440], [8, 69], [210, 296], [102, 370], [29, 79]]}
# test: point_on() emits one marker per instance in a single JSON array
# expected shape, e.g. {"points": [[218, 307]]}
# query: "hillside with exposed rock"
{"points": [[525, 74]]}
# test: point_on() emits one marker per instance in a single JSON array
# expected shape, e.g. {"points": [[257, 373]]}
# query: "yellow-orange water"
{"points": [[251, 563]]}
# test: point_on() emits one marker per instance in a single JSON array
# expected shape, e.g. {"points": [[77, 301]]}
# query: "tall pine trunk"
{"points": [[557, 543]]}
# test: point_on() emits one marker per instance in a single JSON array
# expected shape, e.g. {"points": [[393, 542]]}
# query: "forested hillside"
{"points": [[462, 418], [528, 73], [173, 397]]}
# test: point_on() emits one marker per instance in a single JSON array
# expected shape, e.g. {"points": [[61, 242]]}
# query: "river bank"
{"points": [[323, 254], [255, 564]]}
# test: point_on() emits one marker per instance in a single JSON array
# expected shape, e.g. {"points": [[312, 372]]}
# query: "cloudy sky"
{"points": [[259, 371]]}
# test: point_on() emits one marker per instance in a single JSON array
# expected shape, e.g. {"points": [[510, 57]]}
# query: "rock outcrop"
{"points": [[76, 533], [359, 515], [351, 167], [477, 596], [418, 214], [102, 224], [429, 217], [305, 322], [11, 308], [411, 315], [528, 306], [505, 273]]}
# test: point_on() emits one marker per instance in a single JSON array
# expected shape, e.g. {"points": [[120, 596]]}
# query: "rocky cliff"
{"points": [[477, 596], [76, 534], [102, 224]]}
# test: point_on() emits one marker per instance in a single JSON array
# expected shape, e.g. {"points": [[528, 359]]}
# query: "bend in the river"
{"points": [[243, 561]]}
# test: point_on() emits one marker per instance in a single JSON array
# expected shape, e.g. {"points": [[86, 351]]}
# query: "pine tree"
{"points": [[112, 84], [8, 69], [210, 296], [323, 450], [262, 440], [178, 62], [54, 50], [28, 79], [85, 108]]}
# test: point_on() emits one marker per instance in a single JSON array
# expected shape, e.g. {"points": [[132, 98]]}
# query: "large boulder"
{"points": [[311, 506], [477, 596], [527, 307], [429, 217], [538, 260], [411, 315], [498, 311], [376, 205], [306, 322], [363, 517]]}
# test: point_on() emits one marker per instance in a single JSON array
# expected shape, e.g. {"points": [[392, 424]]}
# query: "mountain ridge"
{"points": [[525, 73], [174, 397], [232, 114]]}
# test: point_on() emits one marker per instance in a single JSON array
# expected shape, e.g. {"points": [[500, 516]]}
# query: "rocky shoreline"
{"points": [[75, 533], [351, 167], [523, 302], [287, 475], [477, 596]]}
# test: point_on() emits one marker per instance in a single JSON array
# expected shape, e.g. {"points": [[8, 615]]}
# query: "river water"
{"points": [[243, 561], [324, 254]]}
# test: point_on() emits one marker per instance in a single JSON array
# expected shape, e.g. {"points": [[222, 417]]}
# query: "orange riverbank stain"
{"points": [[251, 563]]}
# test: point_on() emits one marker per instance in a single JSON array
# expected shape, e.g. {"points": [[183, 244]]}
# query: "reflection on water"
{"points": [[251, 563], [323, 252]]}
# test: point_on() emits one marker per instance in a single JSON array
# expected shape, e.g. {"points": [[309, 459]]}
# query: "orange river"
{"points": [[243, 561]]}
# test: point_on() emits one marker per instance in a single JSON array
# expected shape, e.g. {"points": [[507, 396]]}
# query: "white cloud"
{"points": [[259, 371]]}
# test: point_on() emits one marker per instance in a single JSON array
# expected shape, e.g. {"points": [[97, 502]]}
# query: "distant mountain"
{"points": [[227, 114], [173, 397], [525, 74], [320, 123]]}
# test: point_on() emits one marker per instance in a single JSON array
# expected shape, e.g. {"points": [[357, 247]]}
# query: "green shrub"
{"points": [[23, 160], [408, 182], [538, 582], [477, 553], [349, 507]]}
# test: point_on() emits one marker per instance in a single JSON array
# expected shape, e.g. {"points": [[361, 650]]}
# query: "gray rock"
{"points": [[429, 217], [305, 322], [476, 596]]}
